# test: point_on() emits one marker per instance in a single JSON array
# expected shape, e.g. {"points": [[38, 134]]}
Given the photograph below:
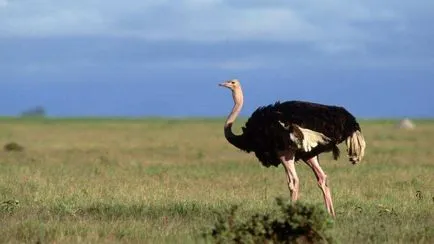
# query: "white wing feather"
{"points": [[310, 139]]}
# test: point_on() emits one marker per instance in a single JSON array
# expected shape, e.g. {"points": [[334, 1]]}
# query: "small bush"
{"points": [[13, 147], [293, 223]]}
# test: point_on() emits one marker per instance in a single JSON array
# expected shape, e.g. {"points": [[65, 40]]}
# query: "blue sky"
{"points": [[165, 58]]}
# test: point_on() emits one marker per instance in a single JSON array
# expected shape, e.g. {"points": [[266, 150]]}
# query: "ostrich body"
{"points": [[283, 133]]}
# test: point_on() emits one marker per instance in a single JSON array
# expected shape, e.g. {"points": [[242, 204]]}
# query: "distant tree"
{"points": [[37, 111]]}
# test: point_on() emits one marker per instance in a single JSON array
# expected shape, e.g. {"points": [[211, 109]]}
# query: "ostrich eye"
{"points": [[232, 82]]}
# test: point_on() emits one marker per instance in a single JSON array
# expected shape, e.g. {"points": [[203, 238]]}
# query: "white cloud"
{"points": [[185, 19], [330, 25]]}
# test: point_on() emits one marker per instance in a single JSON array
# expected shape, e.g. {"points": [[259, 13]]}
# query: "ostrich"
{"points": [[286, 132]]}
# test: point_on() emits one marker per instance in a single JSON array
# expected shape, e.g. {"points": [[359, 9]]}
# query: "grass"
{"points": [[161, 181]]}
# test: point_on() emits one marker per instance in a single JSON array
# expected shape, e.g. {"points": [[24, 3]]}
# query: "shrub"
{"points": [[293, 223], [13, 146]]}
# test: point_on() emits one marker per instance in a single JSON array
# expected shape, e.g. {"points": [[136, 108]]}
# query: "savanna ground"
{"points": [[161, 181]]}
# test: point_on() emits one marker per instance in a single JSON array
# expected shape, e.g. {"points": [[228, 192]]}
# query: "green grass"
{"points": [[161, 181]]}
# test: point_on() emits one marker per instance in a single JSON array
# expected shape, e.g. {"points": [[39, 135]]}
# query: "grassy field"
{"points": [[160, 181]]}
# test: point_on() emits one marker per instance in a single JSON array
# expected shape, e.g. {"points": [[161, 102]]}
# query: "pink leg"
{"points": [[288, 162], [322, 182]]}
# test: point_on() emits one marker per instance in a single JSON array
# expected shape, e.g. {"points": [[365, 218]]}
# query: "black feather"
{"points": [[265, 136]]}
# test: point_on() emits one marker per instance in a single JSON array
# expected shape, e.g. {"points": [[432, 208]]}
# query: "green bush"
{"points": [[13, 147], [292, 223]]}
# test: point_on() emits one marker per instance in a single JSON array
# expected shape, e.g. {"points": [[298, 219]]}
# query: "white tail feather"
{"points": [[356, 147]]}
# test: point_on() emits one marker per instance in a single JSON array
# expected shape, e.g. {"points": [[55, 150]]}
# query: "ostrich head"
{"points": [[233, 84], [237, 94]]}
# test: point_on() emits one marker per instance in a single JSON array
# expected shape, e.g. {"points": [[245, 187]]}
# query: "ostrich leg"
{"points": [[288, 162], [322, 183]]}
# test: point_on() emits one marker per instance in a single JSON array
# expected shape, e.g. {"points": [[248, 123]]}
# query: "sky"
{"points": [[165, 58]]}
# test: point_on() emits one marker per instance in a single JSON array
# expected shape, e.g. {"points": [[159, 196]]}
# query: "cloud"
{"points": [[192, 20], [3, 3], [333, 22], [221, 34]]}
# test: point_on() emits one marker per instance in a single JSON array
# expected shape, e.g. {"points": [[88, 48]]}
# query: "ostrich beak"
{"points": [[224, 84]]}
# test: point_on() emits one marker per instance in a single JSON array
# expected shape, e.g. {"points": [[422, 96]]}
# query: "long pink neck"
{"points": [[237, 95], [235, 140]]}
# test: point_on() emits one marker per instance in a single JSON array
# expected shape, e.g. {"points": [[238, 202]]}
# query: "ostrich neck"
{"points": [[237, 95]]}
